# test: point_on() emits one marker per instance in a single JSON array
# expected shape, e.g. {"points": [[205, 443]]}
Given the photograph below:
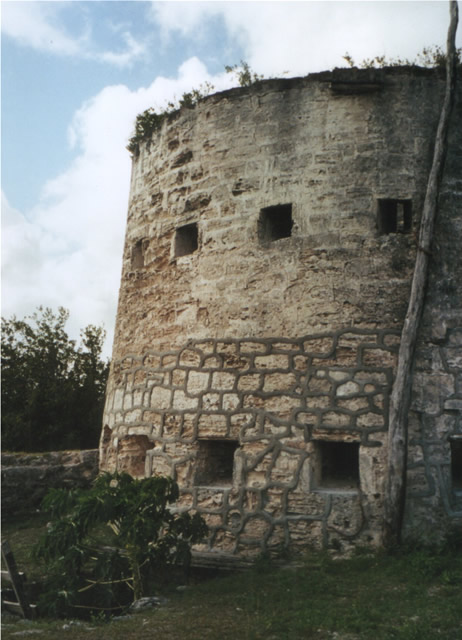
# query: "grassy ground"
{"points": [[412, 596]]}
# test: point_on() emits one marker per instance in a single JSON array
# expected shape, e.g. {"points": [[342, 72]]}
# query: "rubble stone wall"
{"points": [[26, 477], [277, 399]]}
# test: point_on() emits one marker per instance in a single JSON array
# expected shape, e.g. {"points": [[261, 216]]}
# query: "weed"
{"points": [[151, 119], [430, 57], [244, 74]]}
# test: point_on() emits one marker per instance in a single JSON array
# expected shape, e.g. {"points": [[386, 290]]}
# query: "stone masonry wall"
{"points": [[277, 399], [332, 156], [253, 360], [434, 488], [434, 479], [434, 504]]}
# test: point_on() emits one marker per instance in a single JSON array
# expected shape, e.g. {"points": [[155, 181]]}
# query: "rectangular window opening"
{"points": [[336, 465], [215, 462], [394, 216], [137, 255], [186, 239], [275, 223], [131, 454], [456, 464]]}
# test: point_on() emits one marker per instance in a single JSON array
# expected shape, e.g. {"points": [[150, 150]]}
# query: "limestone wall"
{"points": [[270, 242], [331, 156]]}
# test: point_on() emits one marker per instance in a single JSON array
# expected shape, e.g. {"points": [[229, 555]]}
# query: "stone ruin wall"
{"points": [[257, 371], [27, 477]]}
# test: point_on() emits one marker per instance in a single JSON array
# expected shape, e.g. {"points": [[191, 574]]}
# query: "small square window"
{"points": [[186, 239], [336, 465], [394, 216], [275, 223], [215, 462], [456, 463]]}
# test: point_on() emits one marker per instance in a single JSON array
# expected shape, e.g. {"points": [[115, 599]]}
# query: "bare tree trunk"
{"points": [[395, 489]]}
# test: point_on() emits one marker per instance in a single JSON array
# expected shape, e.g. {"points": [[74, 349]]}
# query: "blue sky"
{"points": [[74, 76], [42, 86]]}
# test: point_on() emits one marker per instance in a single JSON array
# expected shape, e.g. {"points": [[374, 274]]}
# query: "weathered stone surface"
{"points": [[266, 346], [347, 389], [197, 382]]}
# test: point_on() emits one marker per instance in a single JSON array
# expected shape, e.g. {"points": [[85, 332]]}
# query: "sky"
{"points": [[74, 75]]}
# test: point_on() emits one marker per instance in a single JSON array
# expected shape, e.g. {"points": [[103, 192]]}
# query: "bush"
{"points": [[105, 545]]}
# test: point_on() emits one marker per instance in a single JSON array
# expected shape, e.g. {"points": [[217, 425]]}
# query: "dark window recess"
{"points": [[394, 216], [275, 223], [137, 257], [215, 462], [186, 239], [337, 465], [456, 463]]}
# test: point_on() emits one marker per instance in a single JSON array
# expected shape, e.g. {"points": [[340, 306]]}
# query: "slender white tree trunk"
{"points": [[395, 488]]}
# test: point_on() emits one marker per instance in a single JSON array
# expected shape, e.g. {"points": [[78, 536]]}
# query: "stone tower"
{"points": [[270, 243]]}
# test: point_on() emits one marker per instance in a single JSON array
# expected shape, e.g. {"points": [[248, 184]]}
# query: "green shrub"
{"points": [[105, 545]]}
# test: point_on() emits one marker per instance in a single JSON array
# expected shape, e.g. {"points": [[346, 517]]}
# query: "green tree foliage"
{"points": [[52, 390], [105, 546]]}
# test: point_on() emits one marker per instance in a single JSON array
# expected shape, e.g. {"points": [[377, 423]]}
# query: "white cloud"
{"points": [[124, 59], [67, 251], [183, 17], [21, 256], [303, 37], [40, 26], [31, 24]]}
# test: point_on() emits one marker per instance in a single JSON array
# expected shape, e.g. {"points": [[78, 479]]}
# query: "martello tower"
{"points": [[269, 249]]}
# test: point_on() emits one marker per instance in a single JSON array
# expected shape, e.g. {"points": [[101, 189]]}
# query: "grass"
{"points": [[405, 596]]}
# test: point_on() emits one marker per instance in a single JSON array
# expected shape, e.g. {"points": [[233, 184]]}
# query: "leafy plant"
{"points": [[108, 542], [145, 125]]}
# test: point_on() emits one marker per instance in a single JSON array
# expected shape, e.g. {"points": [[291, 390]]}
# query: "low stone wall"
{"points": [[26, 477]]}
